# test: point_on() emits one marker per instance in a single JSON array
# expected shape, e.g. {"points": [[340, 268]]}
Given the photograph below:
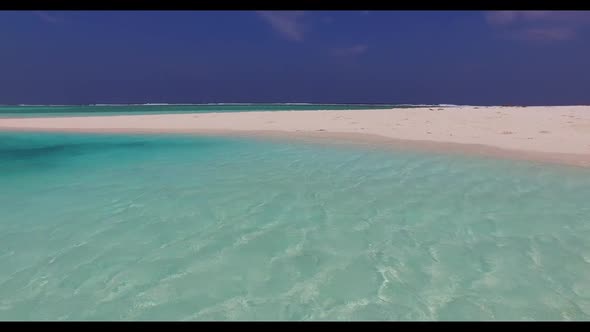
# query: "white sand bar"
{"points": [[553, 134]]}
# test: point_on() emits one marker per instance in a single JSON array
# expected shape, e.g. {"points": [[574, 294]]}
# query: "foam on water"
{"points": [[97, 227]]}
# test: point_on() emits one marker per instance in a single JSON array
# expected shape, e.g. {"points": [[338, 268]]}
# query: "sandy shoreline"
{"points": [[559, 134]]}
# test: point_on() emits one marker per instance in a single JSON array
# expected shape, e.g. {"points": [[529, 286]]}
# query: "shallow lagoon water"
{"points": [[164, 227], [24, 111]]}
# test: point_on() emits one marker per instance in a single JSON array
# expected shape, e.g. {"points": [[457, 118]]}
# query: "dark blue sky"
{"points": [[459, 57]]}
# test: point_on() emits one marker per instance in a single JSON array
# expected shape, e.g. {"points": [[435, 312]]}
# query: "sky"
{"points": [[416, 57]]}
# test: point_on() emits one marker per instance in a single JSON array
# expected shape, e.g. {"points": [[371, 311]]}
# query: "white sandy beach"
{"points": [[553, 134]]}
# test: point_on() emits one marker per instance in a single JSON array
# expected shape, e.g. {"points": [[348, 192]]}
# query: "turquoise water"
{"points": [[100, 110], [97, 227]]}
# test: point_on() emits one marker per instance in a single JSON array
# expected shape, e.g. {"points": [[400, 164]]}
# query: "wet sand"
{"points": [[558, 134]]}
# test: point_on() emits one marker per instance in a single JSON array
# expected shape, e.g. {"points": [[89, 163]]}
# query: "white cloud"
{"points": [[546, 34], [504, 17], [47, 17], [539, 25], [287, 23]]}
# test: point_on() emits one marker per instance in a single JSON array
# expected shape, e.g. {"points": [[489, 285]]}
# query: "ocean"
{"points": [[174, 227], [7, 111]]}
